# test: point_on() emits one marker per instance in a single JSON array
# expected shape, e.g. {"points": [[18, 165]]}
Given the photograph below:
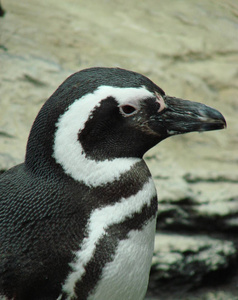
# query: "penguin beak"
{"points": [[181, 116]]}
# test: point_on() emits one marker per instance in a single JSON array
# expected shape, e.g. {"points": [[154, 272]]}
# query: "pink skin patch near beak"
{"points": [[161, 102]]}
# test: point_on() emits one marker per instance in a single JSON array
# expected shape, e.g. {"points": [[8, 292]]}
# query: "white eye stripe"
{"points": [[68, 151]]}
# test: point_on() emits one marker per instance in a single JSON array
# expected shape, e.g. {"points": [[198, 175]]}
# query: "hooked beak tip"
{"points": [[182, 116], [212, 119]]}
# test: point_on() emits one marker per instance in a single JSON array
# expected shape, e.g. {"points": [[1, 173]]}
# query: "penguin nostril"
{"points": [[127, 109]]}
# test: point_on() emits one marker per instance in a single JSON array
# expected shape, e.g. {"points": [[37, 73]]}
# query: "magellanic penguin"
{"points": [[78, 216]]}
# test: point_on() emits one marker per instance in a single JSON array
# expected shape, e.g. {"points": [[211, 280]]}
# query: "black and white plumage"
{"points": [[78, 216]]}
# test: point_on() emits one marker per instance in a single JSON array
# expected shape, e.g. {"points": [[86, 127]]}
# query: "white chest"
{"points": [[126, 277]]}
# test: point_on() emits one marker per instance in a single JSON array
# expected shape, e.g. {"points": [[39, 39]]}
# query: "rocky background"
{"points": [[190, 49]]}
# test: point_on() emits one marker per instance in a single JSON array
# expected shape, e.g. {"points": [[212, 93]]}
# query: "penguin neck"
{"points": [[91, 172], [74, 163]]}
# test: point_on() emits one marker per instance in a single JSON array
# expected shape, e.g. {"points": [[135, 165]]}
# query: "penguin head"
{"points": [[109, 113]]}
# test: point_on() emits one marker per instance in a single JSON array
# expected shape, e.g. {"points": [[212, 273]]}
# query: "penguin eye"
{"points": [[128, 110]]}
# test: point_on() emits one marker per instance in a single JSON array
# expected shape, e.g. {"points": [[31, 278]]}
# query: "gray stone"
{"points": [[199, 202], [34, 79], [186, 261]]}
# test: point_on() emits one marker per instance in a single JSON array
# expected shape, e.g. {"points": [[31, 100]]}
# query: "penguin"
{"points": [[78, 217]]}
